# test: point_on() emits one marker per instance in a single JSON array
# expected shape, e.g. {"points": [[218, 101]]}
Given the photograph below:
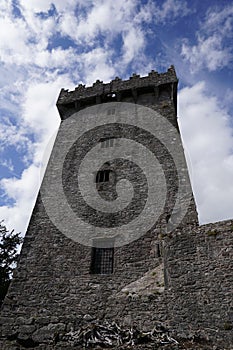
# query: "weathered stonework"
{"points": [[187, 273]]}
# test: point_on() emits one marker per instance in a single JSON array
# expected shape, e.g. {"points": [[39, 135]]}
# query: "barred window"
{"points": [[102, 176], [107, 142], [102, 260]]}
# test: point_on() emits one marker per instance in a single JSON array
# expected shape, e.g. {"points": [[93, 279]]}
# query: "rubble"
{"points": [[110, 335]]}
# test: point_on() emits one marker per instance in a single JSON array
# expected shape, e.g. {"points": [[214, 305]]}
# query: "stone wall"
{"points": [[198, 268], [187, 272], [197, 298]]}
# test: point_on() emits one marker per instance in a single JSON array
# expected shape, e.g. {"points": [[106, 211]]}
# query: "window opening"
{"points": [[158, 250], [102, 260], [102, 176], [107, 142]]}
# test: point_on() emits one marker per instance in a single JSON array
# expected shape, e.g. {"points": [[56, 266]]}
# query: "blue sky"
{"points": [[46, 45]]}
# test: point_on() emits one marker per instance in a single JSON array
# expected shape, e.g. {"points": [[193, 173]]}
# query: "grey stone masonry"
{"points": [[199, 273], [180, 277], [155, 87]]}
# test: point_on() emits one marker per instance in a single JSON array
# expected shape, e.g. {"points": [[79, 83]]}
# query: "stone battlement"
{"points": [[113, 90]]}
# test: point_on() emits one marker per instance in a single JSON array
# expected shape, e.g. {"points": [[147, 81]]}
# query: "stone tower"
{"points": [[81, 259]]}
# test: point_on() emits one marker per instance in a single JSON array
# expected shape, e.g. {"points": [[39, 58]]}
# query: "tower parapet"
{"points": [[159, 85]]}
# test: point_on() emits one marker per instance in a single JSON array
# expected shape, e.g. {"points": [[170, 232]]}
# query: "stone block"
{"points": [[43, 335]]}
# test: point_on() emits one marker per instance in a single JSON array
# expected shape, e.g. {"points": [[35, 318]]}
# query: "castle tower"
{"points": [[79, 252]]}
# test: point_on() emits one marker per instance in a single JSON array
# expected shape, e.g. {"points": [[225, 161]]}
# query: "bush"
{"points": [[9, 244]]}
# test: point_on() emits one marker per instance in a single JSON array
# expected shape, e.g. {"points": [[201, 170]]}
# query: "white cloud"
{"points": [[5, 7], [134, 43], [213, 49], [209, 140], [13, 40], [209, 52], [21, 39], [171, 10], [104, 17], [55, 58], [40, 114], [13, 135], [23, 192], [38, 6], [110, 19], [39, 106], [8, 164], [40, 117], [24, 41], [96, 64], [220, 20]]}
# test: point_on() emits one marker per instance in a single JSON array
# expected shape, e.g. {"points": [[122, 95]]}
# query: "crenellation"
{"points": [[116, 86], [134, 76], [117, 79], [80, 87]]}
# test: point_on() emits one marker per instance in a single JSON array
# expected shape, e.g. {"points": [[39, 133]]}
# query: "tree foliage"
{"points": [[9, 243]]}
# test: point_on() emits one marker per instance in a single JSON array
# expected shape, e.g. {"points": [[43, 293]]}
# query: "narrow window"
{"points": [[158, 253], [102, 261], [110, 141], [102, 176], [107, 142]]}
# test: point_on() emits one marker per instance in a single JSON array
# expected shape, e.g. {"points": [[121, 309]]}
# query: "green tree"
{"points": [[9, 243]]}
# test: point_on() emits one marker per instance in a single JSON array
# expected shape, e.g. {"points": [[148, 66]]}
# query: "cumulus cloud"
{"points": [[208, 139], [213, 49], [103, 17], [96, 64], [13, 40], [23, 192], [39, 107], [209, 52], [38, 117], [134, 43], [12, 135], [22, 38]]}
